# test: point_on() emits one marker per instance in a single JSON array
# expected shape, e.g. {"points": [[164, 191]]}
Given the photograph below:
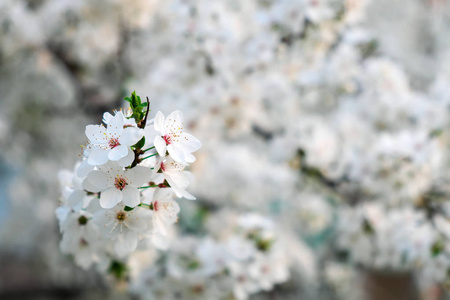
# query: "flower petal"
{"points": [[97, 180], [115, 125], [96, 134], [160, 241], [136, 222], [189, 158], [173, 122], [131, 196], [110, 197], [139, 175], [76, 198], [107, 117], [98, 156], [125, 244], [159, 123], [178, 177], [127, 160], [131, 136], [118, 152], [150, 133], [160, 145], [188, 143], [84, 168], [176, 153], [179, 192]]}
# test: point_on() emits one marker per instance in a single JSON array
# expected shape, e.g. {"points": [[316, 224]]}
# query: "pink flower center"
{"points": [[120, 183], [163, 168], [113, 143], [155, 206], [167, 139]]}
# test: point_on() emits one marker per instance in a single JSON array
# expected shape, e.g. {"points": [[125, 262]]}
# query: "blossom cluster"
{"points": [[330, 115], [242, 256], [120, 197]]}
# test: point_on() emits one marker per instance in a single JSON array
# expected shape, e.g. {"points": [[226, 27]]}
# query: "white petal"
{"points": [[76, 197], [139, 175], [98, 179], [115, 125], [84, 258], [188, 143], [107, 117], [160, 241], [173, 122], [147, 195], [157, 178], [160, 145], [130, 136], [98, 156], [159, 123], [136, 221], [179, 192], [125, 244], [96, 134], [162, 194], [149, 133], [179, 178], [159, 226], [84, 168], [61, 214], [127, 160], [118, 152], [189, 158], [102, 218], [131, 196], [110, 197], [176, 153], [169, 211]]}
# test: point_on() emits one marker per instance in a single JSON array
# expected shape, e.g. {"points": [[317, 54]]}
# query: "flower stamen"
{"points": [[167, 139], [120, 183], [121, 216], [113, 143]]}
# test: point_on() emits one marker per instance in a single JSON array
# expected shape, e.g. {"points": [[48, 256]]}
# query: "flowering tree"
{"points": [[324, 131]]}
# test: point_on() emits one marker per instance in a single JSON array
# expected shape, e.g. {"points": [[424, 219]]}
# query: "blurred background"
{"points": [[328, 117]]}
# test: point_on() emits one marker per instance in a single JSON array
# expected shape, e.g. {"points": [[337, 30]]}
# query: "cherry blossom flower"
{"points": [[117, 184], [165, 210], [176, 176], [121, 227], [168, 136], [113, 142], [81, 238], [72, 191]]}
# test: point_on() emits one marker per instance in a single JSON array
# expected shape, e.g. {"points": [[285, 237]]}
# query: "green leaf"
{"points": [[194, 264], [367, 227], [435, 133], [263, 244], [141, 143], [437, 248], [136, 106], [118, 269]]}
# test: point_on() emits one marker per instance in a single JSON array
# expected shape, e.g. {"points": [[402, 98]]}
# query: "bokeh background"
{"points": [[329, 117]]}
